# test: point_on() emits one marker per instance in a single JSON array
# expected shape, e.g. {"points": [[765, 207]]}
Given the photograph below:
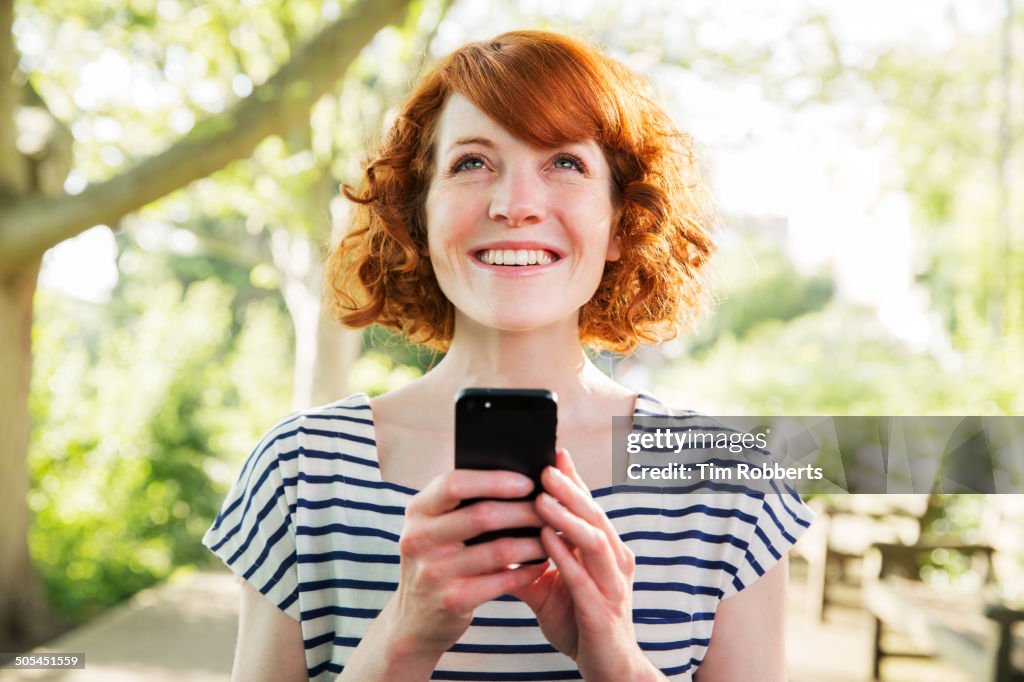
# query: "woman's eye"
{"points": [[570, 162], [468, 163], [472, 162]]}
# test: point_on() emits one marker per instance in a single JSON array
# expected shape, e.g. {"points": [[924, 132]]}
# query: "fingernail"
{"points": [[524, 484]]}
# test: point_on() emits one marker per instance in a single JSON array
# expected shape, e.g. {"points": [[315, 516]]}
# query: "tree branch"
{"points": [[29, 227]]}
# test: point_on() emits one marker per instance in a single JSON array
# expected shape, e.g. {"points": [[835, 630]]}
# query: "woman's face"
{"points": [[518, 236]]}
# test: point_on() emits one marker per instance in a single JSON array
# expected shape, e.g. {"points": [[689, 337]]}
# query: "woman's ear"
{"points": [[614, 248]]}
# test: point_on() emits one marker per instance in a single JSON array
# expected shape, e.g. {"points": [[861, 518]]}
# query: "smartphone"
{"points": [[513, 429]]}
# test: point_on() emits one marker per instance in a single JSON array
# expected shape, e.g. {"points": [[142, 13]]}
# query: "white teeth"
{"points": [[516, 257]]}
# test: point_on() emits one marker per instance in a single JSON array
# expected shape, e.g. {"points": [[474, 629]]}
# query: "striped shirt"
{"points": [[310, 524]]}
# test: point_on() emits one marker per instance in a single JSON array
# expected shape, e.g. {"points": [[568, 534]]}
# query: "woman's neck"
{"points": [[550, 358]]}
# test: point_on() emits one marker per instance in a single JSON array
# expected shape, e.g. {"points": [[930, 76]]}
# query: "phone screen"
{"points": [[511, 429]]}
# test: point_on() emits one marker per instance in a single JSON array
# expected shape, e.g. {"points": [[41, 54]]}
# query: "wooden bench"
{"points": [[968, 628], [844, 529]]}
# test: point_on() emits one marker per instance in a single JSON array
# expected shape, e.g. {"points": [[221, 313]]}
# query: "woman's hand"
{"points": [[585, 605], [442, 580]]}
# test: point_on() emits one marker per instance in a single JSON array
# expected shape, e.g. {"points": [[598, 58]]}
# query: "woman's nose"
{"points": [[518, 199]]}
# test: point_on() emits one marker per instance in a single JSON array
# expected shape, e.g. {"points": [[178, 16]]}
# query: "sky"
{"points": [[837, 192]]}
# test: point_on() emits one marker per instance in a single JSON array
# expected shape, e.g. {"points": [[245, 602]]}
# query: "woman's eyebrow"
{"points": [[482, 141]]}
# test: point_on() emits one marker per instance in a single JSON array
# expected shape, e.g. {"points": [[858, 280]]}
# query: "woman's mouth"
{"points": [[516, 257]]}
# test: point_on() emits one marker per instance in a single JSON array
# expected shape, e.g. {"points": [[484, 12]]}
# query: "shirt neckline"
{"points": [[364, 403]]}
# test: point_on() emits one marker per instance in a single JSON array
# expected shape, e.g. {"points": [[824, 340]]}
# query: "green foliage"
{"points": [[946, 113], [144, 408], [132, 424], [376, 372], [182, 56], [770, 290], [953, 519], [839, 361]]}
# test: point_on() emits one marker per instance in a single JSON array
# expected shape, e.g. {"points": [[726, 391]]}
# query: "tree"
{"points": [[35, 214]]}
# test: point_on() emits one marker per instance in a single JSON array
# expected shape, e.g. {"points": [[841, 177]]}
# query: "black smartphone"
{"points": [[502, 428]]}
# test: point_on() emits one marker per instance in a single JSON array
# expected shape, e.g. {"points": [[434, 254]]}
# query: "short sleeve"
{"points": [[254, 533], [771, 523]]}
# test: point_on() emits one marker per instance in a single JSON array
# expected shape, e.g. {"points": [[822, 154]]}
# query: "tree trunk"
{"points": [[324, 351], [25, 615], [292, 256], [337, 347], [337, 350]]}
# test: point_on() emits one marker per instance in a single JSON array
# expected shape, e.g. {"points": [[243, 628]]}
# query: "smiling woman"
{"points": [[496, 202], [530, 199], [562, 97]]}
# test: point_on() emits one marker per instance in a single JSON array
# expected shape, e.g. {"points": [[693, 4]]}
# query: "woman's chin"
{"points": [[523, 321]]}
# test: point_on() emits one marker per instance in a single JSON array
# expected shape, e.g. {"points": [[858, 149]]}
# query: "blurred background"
{"points": [[168, 187]]}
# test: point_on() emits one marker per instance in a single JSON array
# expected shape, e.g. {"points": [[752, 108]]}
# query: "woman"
{"points": [[530, 198]]}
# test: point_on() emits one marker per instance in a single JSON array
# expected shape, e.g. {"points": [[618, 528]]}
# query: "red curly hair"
{"points": [[546, 89]]}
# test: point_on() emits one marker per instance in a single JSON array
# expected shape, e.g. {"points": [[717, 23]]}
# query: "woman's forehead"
{"points": [[461, 123], [460, 120]]}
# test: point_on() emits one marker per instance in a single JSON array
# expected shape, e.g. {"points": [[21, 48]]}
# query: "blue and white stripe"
{"points": [[312, 526]]}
